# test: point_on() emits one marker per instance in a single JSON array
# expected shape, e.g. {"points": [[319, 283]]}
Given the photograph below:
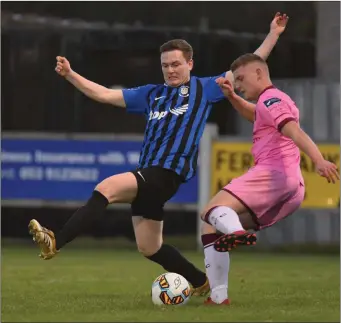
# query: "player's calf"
{"points": [[226, 220], [217, 265], [229, 215], [148, 235]]}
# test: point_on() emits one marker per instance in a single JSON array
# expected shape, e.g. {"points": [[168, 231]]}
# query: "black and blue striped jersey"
{"points": [[176, 118]]}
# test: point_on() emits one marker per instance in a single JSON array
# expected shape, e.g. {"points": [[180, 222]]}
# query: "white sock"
{"points": [[225, 220], [217, 269]]}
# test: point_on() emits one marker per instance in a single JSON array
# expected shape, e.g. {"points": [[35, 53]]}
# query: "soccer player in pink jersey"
{"points": [[274, 187]]}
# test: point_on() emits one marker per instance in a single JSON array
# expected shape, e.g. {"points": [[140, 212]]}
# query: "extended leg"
{"points": [[117, 188], [222, 213]]}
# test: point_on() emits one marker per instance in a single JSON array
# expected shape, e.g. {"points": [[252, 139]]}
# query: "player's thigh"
{"points": [[120, 188], [248, 221], [223, 198], [283, 210], [148, 235], [155, 187]]}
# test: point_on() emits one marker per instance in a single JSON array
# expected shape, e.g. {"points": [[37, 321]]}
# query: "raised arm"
{"points": [[90, 89], [277, 27]]}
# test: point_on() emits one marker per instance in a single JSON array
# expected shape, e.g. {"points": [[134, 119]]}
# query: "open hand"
{"points": [[328, 170]]}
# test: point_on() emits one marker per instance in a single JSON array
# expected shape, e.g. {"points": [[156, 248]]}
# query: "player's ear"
{"points": [[259, 73], [191, 64]]}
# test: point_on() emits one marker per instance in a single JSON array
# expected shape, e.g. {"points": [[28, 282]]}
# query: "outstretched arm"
{"points": [[277, 27], [90, 89], [324, 167]]}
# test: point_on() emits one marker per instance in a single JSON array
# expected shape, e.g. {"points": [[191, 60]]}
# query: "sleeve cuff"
{"points": [[284, 122]]}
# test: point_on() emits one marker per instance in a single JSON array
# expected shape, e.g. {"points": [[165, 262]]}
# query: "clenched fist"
{"points": [[279, 23], [63, 66], [225, 86]]}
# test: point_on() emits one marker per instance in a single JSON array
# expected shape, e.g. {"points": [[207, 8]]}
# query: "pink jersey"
{"points": [[270, 148]]}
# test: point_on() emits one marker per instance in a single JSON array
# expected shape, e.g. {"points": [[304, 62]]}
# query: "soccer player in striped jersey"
{"points": [[176, 114]]}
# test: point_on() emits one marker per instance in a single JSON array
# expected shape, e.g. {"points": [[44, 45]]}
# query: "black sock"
{"points": [[171, 260], [81, 219]]}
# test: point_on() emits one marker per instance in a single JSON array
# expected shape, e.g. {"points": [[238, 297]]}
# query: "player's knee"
{"points": [[205, 214], [104, 190], [119, 188], [111, 193], [149, 249]]}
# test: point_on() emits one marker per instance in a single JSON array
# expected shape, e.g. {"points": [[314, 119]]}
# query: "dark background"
{"points": [[122, 48], [34, 98]]}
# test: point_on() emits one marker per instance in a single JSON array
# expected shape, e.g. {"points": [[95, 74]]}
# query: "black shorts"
{"points": [[156, 186]]}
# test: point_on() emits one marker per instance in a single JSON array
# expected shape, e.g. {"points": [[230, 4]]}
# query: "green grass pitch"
{"points": [[103, 285]]}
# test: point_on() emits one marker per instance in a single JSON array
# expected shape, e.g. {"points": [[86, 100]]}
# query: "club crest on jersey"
{"points": [[184, 91], [271, 101]]}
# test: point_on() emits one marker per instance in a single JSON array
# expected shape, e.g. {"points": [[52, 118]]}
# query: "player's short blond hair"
{"points": [[246, 59]]}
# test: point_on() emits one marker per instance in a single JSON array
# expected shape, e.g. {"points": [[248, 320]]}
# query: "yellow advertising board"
{"points": [[232, 159]]}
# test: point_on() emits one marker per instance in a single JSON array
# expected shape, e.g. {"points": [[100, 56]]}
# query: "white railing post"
{"points": [[204, 181]]}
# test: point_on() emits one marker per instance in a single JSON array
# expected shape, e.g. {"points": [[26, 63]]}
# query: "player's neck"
{"points": [[186, 80], [266, 86]]}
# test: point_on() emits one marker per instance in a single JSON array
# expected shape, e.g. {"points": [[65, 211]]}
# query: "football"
{"points": [[170, 289]]}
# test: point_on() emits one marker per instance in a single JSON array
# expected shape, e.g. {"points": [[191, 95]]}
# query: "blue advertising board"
{"points": [[60, 170]]}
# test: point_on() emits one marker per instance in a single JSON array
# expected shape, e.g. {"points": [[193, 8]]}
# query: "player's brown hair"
{"points": [[178, 44], [246, 59]]}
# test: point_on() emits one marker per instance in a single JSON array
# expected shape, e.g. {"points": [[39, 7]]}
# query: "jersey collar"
{"points": [[267, 88]]}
